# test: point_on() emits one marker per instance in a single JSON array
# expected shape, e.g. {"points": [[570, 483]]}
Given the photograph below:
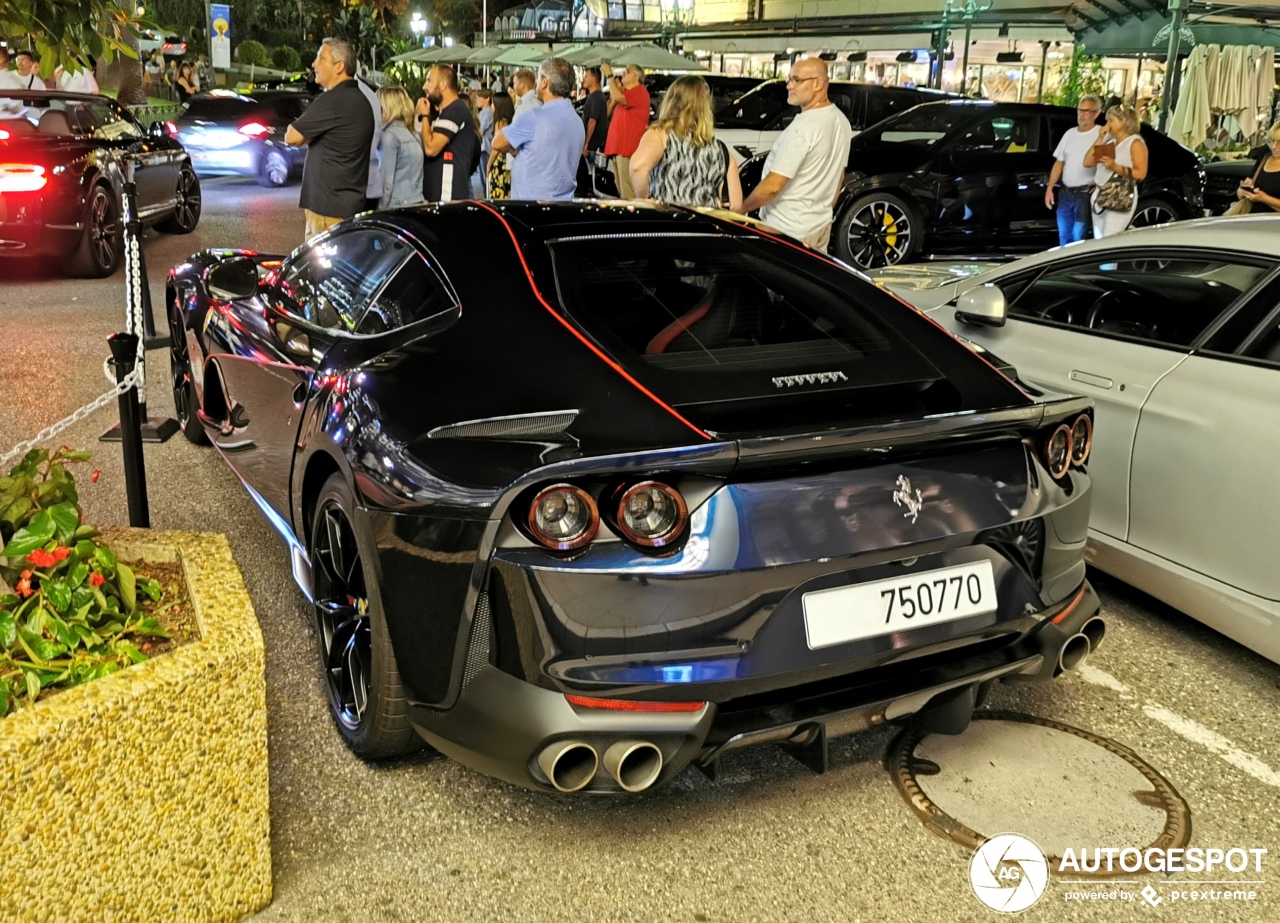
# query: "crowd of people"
{"points": [[530, 142], [26, 75]]}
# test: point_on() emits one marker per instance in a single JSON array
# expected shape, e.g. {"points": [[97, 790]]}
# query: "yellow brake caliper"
{"points": [[891, 231]]}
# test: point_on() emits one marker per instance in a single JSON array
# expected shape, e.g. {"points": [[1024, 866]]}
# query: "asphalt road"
{"points": [[425, 839]]}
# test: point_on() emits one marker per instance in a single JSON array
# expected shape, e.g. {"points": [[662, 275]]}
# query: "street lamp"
{"points": [[418, 26]]}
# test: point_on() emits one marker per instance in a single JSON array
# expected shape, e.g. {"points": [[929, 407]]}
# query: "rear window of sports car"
{"points": [[723, 305]]}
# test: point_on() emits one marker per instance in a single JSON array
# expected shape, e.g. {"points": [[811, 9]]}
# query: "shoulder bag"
{"points": [[1116, 194], [1244, 206]]}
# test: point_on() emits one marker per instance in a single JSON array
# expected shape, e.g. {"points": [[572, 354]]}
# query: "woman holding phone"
{"points": [[1119, 155], [1262, 190]]}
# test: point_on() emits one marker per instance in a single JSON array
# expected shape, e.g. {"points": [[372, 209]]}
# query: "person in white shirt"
{"points": [[1077, 179], [805, 170], [28, 73], [9, 80], [81, 81]]}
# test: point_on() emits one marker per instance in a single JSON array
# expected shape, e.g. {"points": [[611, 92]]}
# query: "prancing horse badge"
{"points": [[906, 496]]}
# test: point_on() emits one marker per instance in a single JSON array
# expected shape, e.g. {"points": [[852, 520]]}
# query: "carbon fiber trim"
{"points": [[478, 646]]}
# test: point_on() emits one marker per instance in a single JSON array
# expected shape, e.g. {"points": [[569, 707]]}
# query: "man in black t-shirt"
{"points": [[338, 130], [450, 142], [595, 112]]}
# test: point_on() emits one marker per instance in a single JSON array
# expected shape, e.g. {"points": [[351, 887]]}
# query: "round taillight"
{"points": [[563, 517], [651, 514], [1081, 439], [1057, 452]]}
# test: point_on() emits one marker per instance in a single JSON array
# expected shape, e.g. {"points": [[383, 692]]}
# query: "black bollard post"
{"points": [[124, 350], [138, 294]]}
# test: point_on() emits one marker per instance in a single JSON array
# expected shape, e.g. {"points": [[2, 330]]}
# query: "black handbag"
{"points": [[1115, 195]]}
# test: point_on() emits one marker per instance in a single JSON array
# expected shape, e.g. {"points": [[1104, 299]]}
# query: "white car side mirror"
{"points": [[983, 305]]}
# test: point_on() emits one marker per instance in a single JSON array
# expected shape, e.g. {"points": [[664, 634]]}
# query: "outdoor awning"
{"points": [[420, 56], [651, 57], [522, 55], [592, 55], [454, 54], [486, 54]]}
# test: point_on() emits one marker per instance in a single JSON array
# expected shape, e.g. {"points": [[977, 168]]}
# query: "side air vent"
{"points": [[1021, 542], [551, 423], [478, 645]]}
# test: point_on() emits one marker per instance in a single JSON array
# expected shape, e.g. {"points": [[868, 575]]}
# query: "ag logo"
{"points": [[1008, 872]]}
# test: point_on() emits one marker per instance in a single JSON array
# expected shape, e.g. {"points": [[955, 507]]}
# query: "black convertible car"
{"points": [[653, 487], [63, 159], [969, 177]]}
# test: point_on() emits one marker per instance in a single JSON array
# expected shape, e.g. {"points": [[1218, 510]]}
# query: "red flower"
{"points": [[96, 579], [94, 477], [60, 553], [24, 584], [42, 558]]}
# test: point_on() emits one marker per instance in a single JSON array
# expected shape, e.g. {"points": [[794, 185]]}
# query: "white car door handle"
{"points": [[1087, 378]]}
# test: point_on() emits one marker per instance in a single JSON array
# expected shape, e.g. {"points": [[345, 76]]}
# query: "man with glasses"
{"points": [[1077, 179], [805, 169]]}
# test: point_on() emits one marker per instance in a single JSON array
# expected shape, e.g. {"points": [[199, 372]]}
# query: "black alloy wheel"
{"points": [[1151, 212], [877, 230], [366, 698], [273, 169], [184, 390], [102, 242], [186, 209]]}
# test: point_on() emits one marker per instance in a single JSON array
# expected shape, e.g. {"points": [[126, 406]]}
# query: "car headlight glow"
{"points": [[563, 517], [651, 514]]}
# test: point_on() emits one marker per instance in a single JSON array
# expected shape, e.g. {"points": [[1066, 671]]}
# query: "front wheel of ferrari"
{"points": [[877, 230], [366, 698]]}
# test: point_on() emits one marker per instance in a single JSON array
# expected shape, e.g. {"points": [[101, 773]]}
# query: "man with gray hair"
{"points": [[548, 140], [338, 131], [1072, 209]]}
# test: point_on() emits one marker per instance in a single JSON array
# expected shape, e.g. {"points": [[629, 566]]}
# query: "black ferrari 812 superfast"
{"points": [[583, 493]]}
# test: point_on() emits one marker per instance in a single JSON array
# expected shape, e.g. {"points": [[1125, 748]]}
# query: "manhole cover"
{"points": [[1062, 787]]}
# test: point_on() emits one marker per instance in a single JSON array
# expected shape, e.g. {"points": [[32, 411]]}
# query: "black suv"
{"points": [[969, 176], [753, 121]]}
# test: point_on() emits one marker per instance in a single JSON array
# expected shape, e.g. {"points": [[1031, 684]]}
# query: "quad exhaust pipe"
{"points": [[569, 764], [1080, 645], [633, 764]]}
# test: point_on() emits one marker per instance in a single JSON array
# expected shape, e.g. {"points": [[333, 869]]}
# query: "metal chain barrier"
{"points": [[22, 448]]}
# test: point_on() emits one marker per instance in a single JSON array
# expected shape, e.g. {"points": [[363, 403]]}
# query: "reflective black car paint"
{"points": [[461, 585]]}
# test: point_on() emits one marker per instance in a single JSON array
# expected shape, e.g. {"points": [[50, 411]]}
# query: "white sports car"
{"points": [[1174, 331]]}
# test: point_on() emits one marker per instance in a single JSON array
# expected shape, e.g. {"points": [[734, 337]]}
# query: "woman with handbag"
{"points": [[1262, 190], [1121, 160], [679, 160]]}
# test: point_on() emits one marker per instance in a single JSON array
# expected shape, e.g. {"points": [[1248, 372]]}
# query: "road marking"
{"points": [[1184, 727]]}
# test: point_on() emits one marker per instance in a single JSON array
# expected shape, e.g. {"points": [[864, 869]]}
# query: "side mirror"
{"points": [[233, 280], [983, 305]]}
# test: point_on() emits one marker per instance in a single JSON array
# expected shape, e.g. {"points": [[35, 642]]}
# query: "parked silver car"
{"points": [[1174, 331]]}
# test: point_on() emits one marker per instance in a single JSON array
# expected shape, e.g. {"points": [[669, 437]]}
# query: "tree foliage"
{"points": [[64, 31]]}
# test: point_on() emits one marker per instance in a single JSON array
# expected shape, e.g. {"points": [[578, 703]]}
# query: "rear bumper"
{"points": [[500, 724], [28, 227]]}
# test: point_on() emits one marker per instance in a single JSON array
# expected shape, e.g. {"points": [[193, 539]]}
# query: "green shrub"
{"points": [[251, 52], [286, 58]]}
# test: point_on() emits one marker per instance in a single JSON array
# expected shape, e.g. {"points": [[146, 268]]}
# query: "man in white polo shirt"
{"points": [[805, 169], [1072, 211]]}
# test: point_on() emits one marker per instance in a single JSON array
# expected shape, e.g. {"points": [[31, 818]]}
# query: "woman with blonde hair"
{"points": [[400, 150], [1262, 190], [679, 160], [1121, 158]]}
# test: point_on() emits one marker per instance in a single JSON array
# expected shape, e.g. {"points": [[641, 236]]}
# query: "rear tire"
{"points": [[877, 230], [186, 213], [367, 701], [1154, 211], [102, 243], [273, 169]]}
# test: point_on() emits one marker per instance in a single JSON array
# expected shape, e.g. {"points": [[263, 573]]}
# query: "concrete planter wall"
{"points": [[143, 796]]}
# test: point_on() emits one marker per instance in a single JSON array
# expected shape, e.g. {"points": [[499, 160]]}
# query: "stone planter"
{"points": [[143, 796]]}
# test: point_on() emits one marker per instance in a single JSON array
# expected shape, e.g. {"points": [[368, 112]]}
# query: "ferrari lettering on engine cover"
{"points": [[814, 378]]}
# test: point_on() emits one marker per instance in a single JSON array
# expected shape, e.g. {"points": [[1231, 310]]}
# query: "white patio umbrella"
{"points": [[521, 56], [420, 55], [592, 55], [651, 57], [454, 54], [487, 54]]}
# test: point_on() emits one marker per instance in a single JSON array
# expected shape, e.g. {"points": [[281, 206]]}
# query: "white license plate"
{"points": [[865, 610]]}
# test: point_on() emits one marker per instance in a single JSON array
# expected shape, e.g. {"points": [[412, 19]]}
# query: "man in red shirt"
{"points": [[630, 120]]}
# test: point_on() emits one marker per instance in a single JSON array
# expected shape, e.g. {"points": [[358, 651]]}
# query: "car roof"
{"points": [[1258, 234]]}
